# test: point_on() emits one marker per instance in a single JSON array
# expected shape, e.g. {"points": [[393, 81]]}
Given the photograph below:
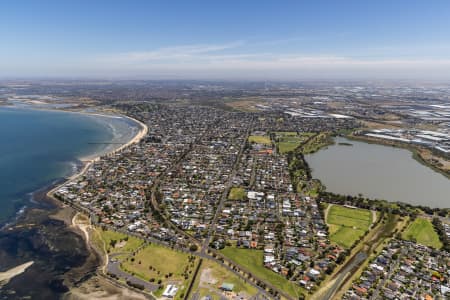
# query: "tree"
{"points": [[113, 243]]}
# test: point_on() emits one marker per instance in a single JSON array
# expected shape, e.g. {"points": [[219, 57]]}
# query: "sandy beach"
{"points": [[77, 274], [96, 287], [88, 161], [11, 273]]}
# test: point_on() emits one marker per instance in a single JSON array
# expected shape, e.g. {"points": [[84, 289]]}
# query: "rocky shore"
{"points": [[64, 264]]}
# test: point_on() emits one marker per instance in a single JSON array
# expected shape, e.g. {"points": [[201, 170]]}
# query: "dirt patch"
{"points": [[207, 277]]}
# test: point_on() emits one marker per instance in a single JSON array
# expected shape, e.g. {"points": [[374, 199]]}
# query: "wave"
{"points": [[16, 217]]}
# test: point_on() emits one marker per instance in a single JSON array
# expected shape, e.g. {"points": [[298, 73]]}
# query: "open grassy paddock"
{"points": [[422, 231], [115, 242], [289, 141], [155, 262], [252, 260], [346, 225]]}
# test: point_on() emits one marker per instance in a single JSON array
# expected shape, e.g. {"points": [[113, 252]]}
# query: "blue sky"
{"points": [[225, 39]]}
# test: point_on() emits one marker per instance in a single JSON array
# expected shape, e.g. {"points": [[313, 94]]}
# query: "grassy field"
{"points": [[259, 139], [252, 260], [289, 141], [155, 262], [422, 232], [285, 133], [237, 193], [115, 241], [346, 225], [215, 275]]}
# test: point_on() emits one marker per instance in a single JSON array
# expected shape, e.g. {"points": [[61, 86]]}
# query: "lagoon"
{"points": [[378, 172]]}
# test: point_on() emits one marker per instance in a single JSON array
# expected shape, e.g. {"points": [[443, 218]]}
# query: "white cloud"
{"points": [[168, 53], [204, 61], [234, 61]]}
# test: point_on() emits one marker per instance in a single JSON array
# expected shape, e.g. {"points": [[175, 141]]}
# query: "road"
{"points": [[224, 196], [343, 274], [114, 268]]}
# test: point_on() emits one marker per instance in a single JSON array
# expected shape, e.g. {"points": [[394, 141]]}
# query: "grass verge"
{"points": [[252, 260], [422, 232]]}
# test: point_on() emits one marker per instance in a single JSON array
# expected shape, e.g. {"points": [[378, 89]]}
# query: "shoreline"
{"points": [[68, 215], [415, 152], [71, 220], [414, 155], [6, 276], [89, 160], [43, 201]]}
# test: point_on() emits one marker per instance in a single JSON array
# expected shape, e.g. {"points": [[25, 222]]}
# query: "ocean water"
{"points": [[38, 147]]}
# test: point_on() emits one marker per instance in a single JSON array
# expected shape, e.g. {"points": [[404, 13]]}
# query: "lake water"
{"points": [[379, 172], [37, 147]]}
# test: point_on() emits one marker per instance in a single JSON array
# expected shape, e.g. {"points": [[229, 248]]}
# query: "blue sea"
{"points": [[38, 147]]}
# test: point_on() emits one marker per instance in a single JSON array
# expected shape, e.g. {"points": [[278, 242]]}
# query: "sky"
{"points": [[254, 40]]}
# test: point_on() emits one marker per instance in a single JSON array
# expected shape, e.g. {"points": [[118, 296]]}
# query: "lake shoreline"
{"points": [[379, 171], [414, 151]]}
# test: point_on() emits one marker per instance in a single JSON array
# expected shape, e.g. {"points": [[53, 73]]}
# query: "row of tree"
{"points": [[439, 227]]}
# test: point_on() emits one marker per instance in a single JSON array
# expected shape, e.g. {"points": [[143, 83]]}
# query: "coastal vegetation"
{"points": [[422, 231], [347, 225], [113, 241], [251, 260]]}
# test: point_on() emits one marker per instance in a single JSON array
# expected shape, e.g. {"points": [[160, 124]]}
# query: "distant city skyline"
{"points": [[260, 40]]}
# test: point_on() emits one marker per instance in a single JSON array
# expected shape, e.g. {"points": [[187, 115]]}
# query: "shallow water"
{"points": [[37, 149]]}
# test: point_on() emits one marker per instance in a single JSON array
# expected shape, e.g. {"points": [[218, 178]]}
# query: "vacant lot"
{"points": [[237, 193], [252, 260], [212, 275], [347, 225], [422, 232], [259, 139]]}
